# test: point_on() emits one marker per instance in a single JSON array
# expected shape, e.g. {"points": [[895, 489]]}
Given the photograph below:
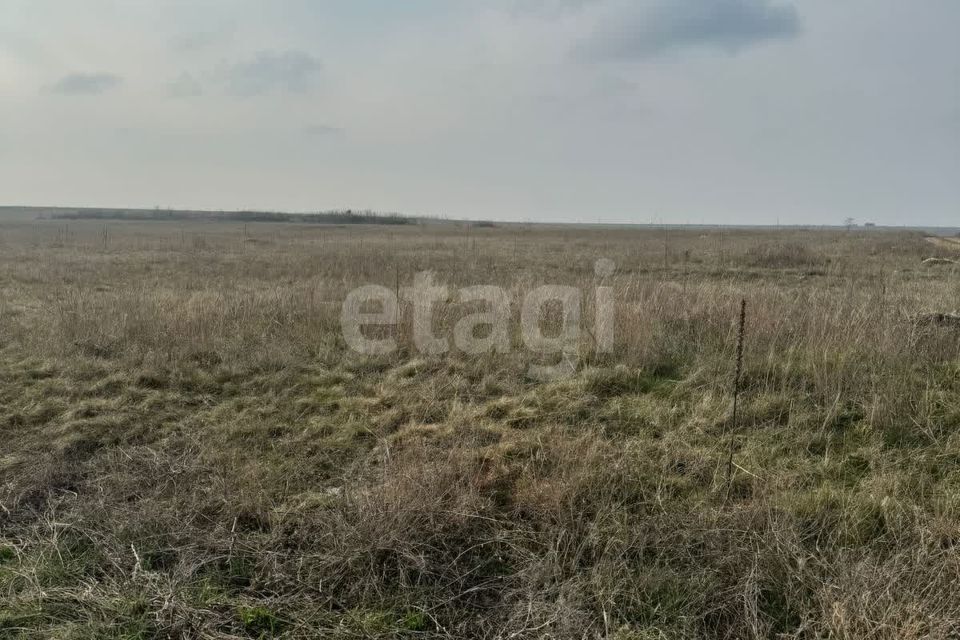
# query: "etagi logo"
{"points": [[493, 322]]}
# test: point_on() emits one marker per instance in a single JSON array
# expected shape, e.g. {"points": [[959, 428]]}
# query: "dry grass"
{"points": [[189, 451]]}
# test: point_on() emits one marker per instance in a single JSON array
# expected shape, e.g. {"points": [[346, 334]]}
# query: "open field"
{"points": [[189, 449]]}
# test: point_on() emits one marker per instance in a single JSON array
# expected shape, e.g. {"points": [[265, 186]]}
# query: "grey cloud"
{"points": [[654, 29], [76, 84], [272, 72]]}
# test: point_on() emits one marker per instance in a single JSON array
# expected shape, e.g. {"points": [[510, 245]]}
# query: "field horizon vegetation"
{"points": [[189, 449], [373, 217]]}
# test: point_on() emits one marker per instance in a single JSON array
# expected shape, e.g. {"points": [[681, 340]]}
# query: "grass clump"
{"points": [[260, 622]]}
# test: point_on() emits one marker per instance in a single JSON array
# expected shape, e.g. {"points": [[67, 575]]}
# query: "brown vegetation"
{"points": [[189, 450]]}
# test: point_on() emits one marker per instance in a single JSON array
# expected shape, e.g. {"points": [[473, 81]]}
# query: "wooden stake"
{"points": [[736, 391]]}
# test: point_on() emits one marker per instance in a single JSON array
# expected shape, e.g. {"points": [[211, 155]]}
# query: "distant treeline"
{"points": [[347, 216]]}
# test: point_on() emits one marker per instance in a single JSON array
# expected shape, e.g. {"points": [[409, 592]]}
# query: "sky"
{"points": [[614, 111]]}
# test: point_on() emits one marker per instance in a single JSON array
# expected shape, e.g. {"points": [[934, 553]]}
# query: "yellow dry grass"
{"points": [[190, 451]]}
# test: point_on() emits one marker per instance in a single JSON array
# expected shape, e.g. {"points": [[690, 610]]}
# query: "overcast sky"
{"points": [[717, 111]]}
